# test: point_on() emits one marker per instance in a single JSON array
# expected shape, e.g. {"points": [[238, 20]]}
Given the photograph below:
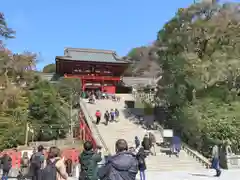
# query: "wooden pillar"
{"points": [[80, 126], [84, 134], [83, 85], [102, 85]]}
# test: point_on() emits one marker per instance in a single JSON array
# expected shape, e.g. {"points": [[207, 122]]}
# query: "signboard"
{"points": [[167, 133]]}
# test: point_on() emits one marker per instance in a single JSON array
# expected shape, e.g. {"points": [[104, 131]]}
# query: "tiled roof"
{"points": [[80, 54]]}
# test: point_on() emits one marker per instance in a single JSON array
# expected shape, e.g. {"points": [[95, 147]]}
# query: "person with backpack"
{"points": [[6, 163], [36, 163], [141, 163], [106, 117], [25, 162], [68, 164], [89, 162], [121, 166], [55, 168]]}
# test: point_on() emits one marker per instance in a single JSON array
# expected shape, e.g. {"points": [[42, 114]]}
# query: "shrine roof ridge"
{"points": [[91, 50], [91, 55]]}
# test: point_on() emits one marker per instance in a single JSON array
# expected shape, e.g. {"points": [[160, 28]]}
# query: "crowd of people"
{"points": [[37, 167], [92, 96], [148, 143], [124, 165], [109, 116]]}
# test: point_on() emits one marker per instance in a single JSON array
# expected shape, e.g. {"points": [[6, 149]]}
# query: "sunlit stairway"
{"points": [[124, 128]]}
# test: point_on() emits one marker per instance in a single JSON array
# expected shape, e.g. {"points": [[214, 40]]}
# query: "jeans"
{"points": [[5, 175], [142, 175]]}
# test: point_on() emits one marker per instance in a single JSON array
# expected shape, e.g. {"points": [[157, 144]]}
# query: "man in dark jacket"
{"points": [[89, 162], [106, 117], [122, 166]]}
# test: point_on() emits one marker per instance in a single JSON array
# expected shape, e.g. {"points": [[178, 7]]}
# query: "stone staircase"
{"points": [[127, 130]]}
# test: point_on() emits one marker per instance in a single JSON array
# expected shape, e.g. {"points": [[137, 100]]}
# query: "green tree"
{"points": [[25, 99], [70, 90], [50, 68], [198, 51], [49, 118], [13, 97], [5, 31]]}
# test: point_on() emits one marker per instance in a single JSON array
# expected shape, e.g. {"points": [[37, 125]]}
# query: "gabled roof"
{"points": [[95, 55]]}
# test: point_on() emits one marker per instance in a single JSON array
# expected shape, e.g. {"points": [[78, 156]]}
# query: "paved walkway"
{"points": [[183, 175], [195, 175], [127, 130]]}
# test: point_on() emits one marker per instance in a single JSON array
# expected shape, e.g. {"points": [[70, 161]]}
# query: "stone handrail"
{"points": [[233, 161], [196, 155], [96, 134]]}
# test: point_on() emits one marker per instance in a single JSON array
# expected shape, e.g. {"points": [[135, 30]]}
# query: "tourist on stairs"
{"points": [[215, 158], [141, 163], [98, 116], [137, 142], [122, 166], [146, 143], [112, 114], [116, 114], [175, 146], [153, 142], [106, 117]]}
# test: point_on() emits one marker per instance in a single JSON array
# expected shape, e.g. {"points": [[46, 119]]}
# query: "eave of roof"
{"points": [[89, 50], [91, 55], [67, 58]]}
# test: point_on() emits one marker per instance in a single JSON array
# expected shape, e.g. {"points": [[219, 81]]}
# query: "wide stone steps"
{"points": [[127, 130]]}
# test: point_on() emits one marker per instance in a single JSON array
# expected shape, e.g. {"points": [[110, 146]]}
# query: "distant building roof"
{"points": [[96, 55]]}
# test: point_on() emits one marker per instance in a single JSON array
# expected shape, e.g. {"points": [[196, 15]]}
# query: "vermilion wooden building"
{"points": [[97, 69]]}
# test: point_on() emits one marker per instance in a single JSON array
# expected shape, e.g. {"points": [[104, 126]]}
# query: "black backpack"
{"points": [[36, 161], [6, 162], [50, 171]]}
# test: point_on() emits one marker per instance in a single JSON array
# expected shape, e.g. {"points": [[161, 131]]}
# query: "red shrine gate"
{"points": [[103, 83], [97, 69]]}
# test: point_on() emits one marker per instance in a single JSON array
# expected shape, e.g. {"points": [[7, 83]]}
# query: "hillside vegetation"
{"points": [[144, 62], [199, 53]]}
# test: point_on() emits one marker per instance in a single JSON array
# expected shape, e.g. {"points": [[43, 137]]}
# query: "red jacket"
{"points": [[98, 114]]}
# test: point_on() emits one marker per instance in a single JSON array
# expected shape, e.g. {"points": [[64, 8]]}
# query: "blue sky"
{"points": [[47, 26]]}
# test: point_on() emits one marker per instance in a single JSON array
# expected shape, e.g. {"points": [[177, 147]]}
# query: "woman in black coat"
{"points": [[146, 143]]}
